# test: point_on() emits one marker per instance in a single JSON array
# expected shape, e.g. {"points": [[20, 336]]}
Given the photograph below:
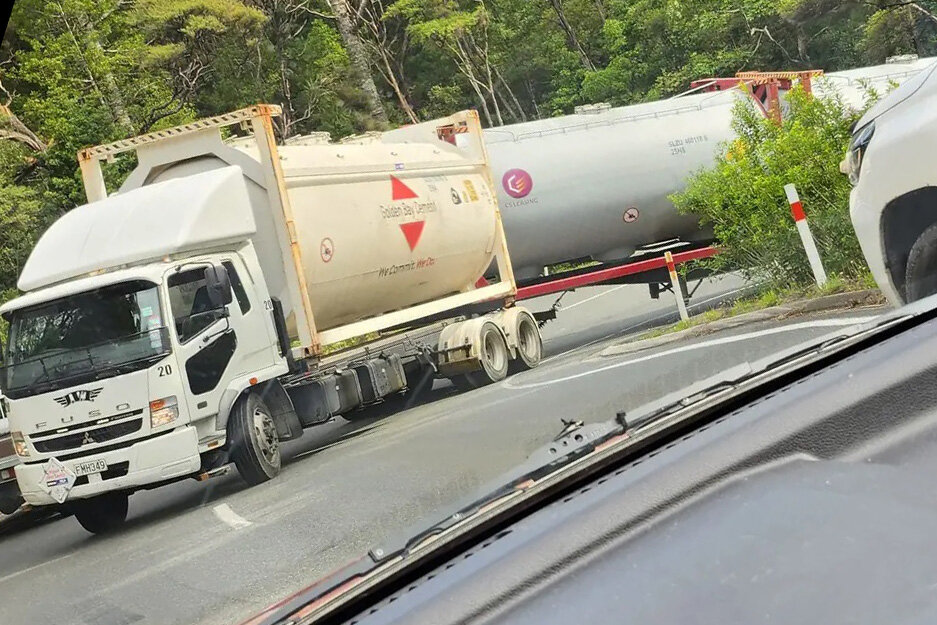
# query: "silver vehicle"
{"points": [[10, 499]]}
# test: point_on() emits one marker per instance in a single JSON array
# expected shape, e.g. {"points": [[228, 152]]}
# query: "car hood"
{"points": [[925, 79]]}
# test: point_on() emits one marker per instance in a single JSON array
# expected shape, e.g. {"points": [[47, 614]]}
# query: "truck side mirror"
{"points": [[218, 286]]}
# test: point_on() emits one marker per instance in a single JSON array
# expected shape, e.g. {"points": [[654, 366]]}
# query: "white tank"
{"points": [[380, 227], [373, 243], [596, 184]]}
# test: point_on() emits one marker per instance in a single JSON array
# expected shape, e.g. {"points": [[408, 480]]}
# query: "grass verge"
{"points": [[766, 298]]}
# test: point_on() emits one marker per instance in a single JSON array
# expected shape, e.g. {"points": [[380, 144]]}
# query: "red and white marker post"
{"points": [[675, 286], [797, 210]]}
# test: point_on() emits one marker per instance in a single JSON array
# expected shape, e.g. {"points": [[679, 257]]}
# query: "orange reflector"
{"points": [[213, 444], [156, 404], [253, 381]]}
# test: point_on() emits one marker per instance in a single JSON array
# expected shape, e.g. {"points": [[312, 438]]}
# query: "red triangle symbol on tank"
{"points": [[400, 191], [412, 231]]}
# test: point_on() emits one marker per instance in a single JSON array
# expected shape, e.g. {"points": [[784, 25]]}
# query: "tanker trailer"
{"points": [[184, 322], [596, 184]]}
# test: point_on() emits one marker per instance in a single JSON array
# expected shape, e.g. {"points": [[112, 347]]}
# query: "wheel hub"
{"points": [[266, 433]]}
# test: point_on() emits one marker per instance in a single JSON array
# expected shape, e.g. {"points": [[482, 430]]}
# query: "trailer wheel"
{"points": [[495, 358], [103, 514], [255, 445], [921, 271], [529, 345]]}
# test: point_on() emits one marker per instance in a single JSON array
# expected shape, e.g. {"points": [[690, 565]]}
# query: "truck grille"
{"points": [[88, 437]]}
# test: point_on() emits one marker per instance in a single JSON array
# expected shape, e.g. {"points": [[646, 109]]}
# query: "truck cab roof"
{"points": [[163, 219]]}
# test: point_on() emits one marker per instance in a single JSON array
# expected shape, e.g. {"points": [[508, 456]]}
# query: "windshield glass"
{"points": [[395, 250], [83, 337]]}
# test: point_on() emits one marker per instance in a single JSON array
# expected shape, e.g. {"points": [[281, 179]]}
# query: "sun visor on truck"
{"points": [[151, 222]]}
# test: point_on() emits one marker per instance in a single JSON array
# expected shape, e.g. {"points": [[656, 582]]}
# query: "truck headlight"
{"points": [[19, 444], [852, 166], [163, 411]]}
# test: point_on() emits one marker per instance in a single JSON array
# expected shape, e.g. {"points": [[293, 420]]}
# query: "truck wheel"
{"points": [[9, 505], [103, 514], [921, 273], [255, 445], [494, 357], [529, 345]]}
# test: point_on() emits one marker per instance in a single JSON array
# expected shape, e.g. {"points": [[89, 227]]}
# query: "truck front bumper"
{"points": [[149, 462]]}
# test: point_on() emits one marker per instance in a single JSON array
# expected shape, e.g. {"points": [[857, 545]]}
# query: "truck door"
{"points": [[211, 340], [259, 339]]}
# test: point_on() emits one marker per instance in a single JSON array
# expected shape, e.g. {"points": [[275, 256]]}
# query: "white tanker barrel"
{"points": [[380, 227], [597, 184], [385, 227]]}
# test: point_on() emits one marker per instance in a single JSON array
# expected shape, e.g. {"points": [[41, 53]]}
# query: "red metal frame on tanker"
{"points": [[609, 273]]}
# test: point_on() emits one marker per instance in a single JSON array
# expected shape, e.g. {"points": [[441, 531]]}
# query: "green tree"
{"points": [[743, 197]]}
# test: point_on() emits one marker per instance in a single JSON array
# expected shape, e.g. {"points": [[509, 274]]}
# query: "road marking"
{"points": [[230, 517], [819, 323], [35, 566], [589, 299], [637, 325]]}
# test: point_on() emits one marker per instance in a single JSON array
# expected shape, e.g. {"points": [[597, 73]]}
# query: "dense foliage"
{"points": [[743, 195], [80, 72]]}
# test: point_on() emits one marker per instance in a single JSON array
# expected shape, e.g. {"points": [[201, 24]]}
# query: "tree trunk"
{"points": [[359, 61], [106, 86], [398, 91], [520, 109], [571, 38]]}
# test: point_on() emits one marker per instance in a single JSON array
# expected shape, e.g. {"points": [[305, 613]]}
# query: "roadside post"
{"points": [[675, 286], [810, 246]]}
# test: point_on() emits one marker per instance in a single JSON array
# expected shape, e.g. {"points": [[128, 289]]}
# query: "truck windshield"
{"points": [[91, 335]]}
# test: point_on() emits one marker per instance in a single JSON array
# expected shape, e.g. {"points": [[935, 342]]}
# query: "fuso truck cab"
{"points": [[178, 324]]}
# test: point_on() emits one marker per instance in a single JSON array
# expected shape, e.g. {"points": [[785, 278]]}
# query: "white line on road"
{"points": [[230, 517], [662, 315], [35, 566], [819, 323], [589, 299]]}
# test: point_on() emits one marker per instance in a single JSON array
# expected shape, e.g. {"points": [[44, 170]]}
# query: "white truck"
{"points": [[893, 204], [186, 321]]}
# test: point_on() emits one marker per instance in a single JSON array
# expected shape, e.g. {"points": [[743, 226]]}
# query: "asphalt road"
{"points": [[217, 552]]}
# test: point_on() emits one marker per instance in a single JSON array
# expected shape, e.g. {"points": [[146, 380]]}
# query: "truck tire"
{"points": [[103, 514], [9, 505], [921, 270], [255, 445], [494, 355], [529, 345]]}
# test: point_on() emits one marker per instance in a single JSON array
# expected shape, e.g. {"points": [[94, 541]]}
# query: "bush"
{"points": [[743, 198]]}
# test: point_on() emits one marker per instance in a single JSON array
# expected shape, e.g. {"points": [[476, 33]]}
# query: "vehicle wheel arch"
{"points": [[903, 221], [273, 395]]}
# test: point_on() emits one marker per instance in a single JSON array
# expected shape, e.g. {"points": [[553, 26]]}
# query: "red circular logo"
{"points": [[326, 249], [517, 183]]}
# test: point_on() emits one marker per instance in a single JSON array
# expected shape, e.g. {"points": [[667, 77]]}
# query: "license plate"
{"points": [[87, 468]]}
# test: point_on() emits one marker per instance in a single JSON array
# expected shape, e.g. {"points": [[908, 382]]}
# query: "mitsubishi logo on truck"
{"points": [[77, 396]]}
